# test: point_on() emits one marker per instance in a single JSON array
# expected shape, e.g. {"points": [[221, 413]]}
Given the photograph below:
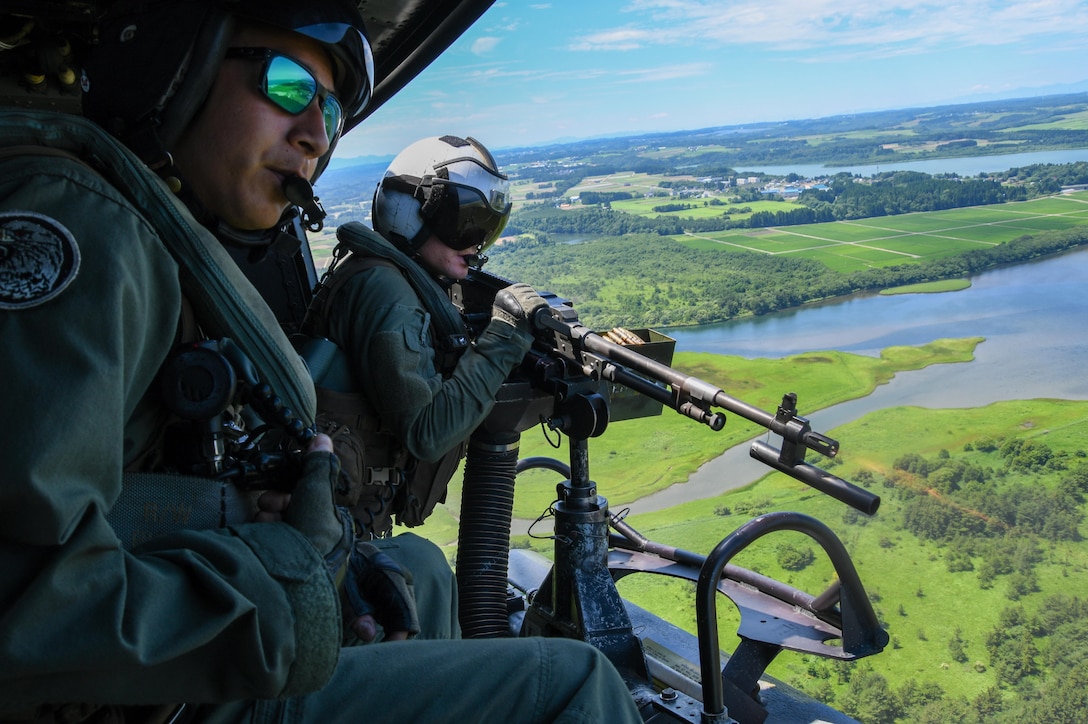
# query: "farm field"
{"points": [[847, 246], [700, 209]]}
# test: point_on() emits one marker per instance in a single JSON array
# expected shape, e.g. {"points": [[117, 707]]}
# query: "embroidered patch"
{"points": [[38, 259]]}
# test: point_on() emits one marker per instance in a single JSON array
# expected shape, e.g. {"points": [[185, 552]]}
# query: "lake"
{"points": [[1034, 317], [965, 166]]}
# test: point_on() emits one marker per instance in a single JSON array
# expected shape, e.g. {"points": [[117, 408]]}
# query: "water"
{"points": [[965, 166], [1034, 317]]}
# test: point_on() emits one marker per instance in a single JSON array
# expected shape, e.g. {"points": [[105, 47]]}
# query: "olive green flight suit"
{"points": [[379, 320], [241, 621]]}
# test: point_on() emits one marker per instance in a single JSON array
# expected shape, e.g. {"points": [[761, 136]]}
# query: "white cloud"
{"points": [[485, 45], [819, 24], [618, 39], [666, 72]]}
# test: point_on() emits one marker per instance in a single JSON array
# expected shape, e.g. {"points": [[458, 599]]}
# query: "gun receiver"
{"points": [[566, 349]]}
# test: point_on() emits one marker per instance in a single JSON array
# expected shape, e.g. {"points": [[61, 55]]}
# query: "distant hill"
{"points": [[966, 129], [346, 191], [999, 126]]}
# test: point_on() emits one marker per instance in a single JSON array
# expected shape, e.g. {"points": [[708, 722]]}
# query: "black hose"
{"points": [[483, 548]]}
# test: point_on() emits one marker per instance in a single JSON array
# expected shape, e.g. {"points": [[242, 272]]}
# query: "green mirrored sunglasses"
{"points": [[292, 87]]}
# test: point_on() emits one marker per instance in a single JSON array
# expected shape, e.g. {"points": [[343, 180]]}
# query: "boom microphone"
{"points": [[475, 260], [300, 193]]}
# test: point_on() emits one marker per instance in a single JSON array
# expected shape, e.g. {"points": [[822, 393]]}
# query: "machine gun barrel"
{"points": [[560, 336], [690, 396], [694, 398], [822, 480]]}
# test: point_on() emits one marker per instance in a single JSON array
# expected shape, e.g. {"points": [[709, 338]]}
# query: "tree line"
{"points": [[843, 198], [903, 192], [992, 521], [664, 283]]}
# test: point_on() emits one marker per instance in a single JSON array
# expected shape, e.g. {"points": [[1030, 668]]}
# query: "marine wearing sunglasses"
{"points": [[291, 86]]}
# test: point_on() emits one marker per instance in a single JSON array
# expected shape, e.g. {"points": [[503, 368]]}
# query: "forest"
{"points": [[843, 197], [899, 192], [683, 286], [995, 523]]}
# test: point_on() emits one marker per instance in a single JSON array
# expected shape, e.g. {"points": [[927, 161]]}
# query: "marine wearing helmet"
{"points": [[418, 385], [134, 588], [156, 62], [180, 48]]}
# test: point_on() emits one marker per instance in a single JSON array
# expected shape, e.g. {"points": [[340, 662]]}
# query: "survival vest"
{"points": [[226, 304], [379, 479], [221, 301]]}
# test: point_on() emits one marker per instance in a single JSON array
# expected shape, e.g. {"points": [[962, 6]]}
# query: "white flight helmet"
{"points": [[448, 186]]}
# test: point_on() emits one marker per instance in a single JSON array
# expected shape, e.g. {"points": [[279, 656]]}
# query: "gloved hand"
{"points": [[373, 588], [313, 512], [378, 589], [516, 305]]}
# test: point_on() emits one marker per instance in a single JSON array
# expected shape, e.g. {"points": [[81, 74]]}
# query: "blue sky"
{"points": [[529, 73]]}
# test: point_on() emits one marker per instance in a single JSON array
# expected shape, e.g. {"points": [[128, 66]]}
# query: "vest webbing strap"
{"points": [[154, 504], [225, 302], [451, 336]]}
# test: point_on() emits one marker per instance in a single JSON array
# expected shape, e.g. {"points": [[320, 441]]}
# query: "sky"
{"points": [[529, 73]]}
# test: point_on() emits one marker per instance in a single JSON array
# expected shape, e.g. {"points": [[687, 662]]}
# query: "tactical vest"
{"points": [[221, 300], [380, 480]]}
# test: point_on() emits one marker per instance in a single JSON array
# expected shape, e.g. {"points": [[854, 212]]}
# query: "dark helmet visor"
{"points": [[466, 218]]}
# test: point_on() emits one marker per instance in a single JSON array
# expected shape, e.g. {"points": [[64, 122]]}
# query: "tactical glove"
{"points": [[378, 586], [314, 514], [516, 305]]}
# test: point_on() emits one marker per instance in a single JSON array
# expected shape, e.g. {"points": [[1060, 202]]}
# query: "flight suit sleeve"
{"points": [[382, 324], [199, 616]]}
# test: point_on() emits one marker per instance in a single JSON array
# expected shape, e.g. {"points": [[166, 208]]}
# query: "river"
{"points": [[1034, 317], [963, 166]]}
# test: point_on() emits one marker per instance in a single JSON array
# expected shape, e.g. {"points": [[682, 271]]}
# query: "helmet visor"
{"points": [[475, 203], [469, 216], [469, 172]]}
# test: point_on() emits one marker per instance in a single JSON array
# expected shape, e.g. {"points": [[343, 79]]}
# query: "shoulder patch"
{"points": [[39, 258]]}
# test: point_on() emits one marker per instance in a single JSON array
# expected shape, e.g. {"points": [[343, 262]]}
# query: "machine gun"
{"points": [[565, 383]]}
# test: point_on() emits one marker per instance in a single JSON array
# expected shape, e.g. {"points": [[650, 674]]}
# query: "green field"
{"points": [[1072, 121], [847, 246], [700, 208], [921, 603], [945, 285]]}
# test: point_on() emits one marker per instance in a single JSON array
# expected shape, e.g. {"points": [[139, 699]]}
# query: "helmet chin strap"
{"points": [[300, 193]]}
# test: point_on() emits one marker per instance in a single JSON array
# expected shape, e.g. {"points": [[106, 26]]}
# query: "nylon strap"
{"points": [[225, 302], [450, 334], [154, 504]]}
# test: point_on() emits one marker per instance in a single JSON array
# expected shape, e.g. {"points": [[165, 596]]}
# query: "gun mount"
{"points": [[564, 383]]}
